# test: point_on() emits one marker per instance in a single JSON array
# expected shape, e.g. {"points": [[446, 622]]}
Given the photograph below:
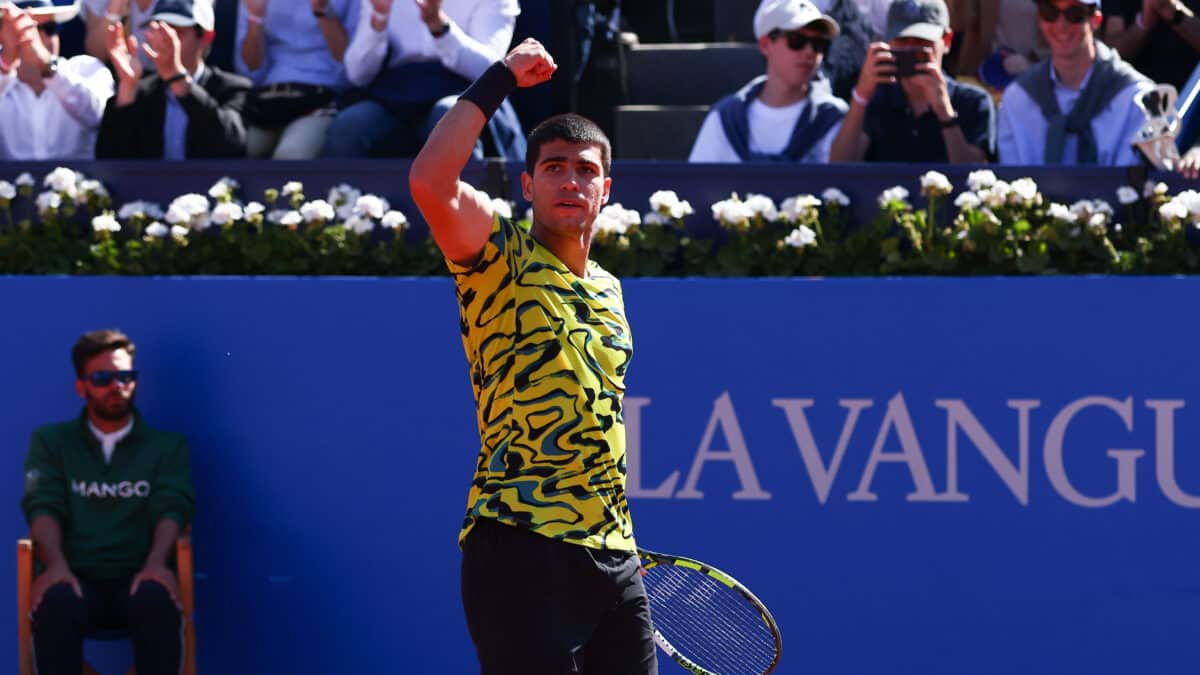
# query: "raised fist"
{"points": [[530, 63]]}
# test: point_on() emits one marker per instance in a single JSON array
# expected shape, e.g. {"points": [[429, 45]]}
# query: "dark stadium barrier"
{"points": [[916, 475]]}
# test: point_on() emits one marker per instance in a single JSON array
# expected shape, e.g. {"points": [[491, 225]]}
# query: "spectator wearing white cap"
{"points": [[187, 108], [905, 108], [1077, 107], [789, 114], [51, 106]]}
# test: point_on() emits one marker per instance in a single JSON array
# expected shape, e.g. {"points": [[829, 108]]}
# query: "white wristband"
{"points": [[858, 97], [253, 18], [381, 18], [113, 18]]}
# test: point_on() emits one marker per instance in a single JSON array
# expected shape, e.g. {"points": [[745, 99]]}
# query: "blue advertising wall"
{"points": [[916, 475]]}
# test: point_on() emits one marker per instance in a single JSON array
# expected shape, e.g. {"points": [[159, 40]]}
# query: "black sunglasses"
{"points": [[797, 41], [103, 378], [1074, 14]]}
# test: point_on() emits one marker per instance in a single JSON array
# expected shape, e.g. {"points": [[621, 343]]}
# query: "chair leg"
{"points": [[24, 599]]}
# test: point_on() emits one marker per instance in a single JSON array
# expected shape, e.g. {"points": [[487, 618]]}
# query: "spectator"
{"points": [[788, 114], [106, 496], [411, 59], [1004, 35], [905, 107], [1189, 164], [61, 124], [846, 53], [99, 14], [1077, 107], [187, 109], [294, 59], [1161, 38]]}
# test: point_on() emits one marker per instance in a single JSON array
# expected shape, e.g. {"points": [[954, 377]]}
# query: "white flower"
{"points": [[935, 184], [1127, 195], [1076, 231], [190, 211], [996, 196], [292, 187], [616, 219], [225, 213], [655, 218], [896, 194], [360, 224], [800, 237], [1152, 189], [61, 179], [394, 220], [1023, 191], [833, 195], [223, 189], [1097, 222], [157, 229], [762, 205], [140, 208], [968, 200], [981, 180], [1189, 200], [1173, 210], [179, 231], [253, 209], [344, 198], [1101, 206], [1060, 212], [732, 213], [529, 214], [88, 187], [290, 218], [24, 180], [794, 208], [962, 234], [668, 203], [48, 201], [317, 210], [369, 206], [502, 208], [7, 190], [105, 223]]}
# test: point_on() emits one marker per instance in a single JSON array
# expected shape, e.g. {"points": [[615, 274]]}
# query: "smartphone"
{"points": [[907, 59]]}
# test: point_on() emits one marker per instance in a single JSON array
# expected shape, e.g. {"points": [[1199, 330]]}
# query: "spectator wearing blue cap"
{"points": [[1077, 107], [789, 114], [51, 106], [409, 60], [905, 108], [187, 109], [294, 58]]}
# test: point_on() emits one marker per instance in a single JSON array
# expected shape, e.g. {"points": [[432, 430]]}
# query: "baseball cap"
{"points": [[185, 13], [41, 9], [788, 15], [921, 19]]}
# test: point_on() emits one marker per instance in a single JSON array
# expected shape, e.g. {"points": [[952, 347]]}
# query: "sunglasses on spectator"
{"points": [[797, 41], [1074, 14], [103, 378]]}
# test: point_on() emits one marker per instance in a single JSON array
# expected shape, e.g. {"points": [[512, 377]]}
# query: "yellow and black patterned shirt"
{"points": [[548, 352]]}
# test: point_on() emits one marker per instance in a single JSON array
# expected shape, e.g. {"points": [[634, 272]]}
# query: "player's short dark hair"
{"points": [[93, 343], [571, 128]]}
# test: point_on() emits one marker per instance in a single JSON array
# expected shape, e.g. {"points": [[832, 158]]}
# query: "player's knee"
{"points": [[152, 603], [60, 606]]}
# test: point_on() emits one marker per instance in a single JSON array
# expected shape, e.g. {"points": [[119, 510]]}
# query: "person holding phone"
{"points": [[905, 108]]}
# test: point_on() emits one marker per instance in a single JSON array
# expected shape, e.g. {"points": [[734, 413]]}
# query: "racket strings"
{"points": [[710, 623]]}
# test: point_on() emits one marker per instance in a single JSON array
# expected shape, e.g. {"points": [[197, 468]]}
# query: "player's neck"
{"points": [[571, 250], [778, 95]]}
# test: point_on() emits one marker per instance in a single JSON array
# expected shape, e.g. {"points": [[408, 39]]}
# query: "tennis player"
{"points": [[550, 578]]}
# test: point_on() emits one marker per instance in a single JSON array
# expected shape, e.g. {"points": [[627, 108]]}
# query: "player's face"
{"points": [[568, 186], [113, 400]]}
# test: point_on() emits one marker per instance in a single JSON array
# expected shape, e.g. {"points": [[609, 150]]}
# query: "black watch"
{"points": [[950, 122], [442, 30], [51, 68], [321, 14]]}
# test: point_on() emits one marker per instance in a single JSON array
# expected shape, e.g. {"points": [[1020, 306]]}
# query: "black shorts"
{"points": [[538, 606]]}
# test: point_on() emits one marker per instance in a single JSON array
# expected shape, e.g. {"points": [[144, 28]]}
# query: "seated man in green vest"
{"points": [[106, 497], [1077, 107]]}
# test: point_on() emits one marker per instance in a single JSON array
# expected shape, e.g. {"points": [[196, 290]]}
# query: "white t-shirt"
{"points": [[770, 131], [108, 442]]}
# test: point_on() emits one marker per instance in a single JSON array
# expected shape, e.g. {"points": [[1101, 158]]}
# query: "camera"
{"points": [[907, 59]]}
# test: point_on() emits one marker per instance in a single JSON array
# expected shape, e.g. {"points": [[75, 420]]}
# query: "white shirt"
{"points": [[770, 131], [62, 122], [108, 442], [1021, 135], [479, 35]]}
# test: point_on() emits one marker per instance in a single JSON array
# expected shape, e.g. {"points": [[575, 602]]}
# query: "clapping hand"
{"points": [[15, 25], [257, 8], [530, 63], [122, 53], [162, 46], [381, 9]]}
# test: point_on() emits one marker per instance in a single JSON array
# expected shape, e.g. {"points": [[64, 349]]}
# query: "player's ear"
{"points": [[527, 186], [607, 190], [79, 388]]}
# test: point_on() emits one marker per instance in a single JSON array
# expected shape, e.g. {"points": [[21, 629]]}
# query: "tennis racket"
{"points": [[706, 620]]}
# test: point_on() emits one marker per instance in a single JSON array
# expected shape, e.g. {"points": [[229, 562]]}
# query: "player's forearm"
{"points": [[436, 169], [165, 534], [47, 537]]}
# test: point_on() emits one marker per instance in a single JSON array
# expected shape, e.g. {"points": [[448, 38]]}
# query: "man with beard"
{"points": [[106, 497]]}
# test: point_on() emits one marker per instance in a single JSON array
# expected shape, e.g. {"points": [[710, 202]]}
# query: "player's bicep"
{"points": [[460, 225]]}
